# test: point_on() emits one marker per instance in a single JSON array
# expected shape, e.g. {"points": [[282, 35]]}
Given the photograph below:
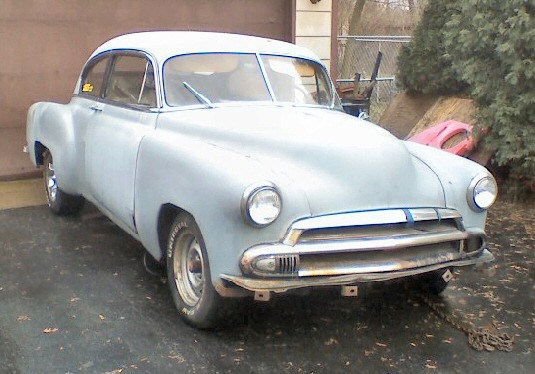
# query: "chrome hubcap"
{"points": [[51, 185], [188, 269]]}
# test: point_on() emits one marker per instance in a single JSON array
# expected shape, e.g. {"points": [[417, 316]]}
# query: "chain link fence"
{"points": [[357, 54]]}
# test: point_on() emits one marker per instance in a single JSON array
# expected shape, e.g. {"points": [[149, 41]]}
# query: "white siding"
{"points": [[313, 27]]}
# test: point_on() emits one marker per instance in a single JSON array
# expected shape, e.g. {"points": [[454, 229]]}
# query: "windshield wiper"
{"points": [[199, 96]]}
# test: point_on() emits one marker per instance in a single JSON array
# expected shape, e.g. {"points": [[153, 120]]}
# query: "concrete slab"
{"points": [[22, 193]]}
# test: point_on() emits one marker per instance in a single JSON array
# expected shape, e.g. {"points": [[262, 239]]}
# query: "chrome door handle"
{"points": [[96, 108]]}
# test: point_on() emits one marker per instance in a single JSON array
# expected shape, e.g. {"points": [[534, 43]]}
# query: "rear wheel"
{"points": [[188, 271], [59, 202]]}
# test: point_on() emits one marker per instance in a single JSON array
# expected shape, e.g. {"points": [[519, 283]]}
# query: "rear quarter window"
{"points": [[93, 77]]}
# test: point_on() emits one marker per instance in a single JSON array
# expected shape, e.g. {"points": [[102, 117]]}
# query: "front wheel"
{"points": [[436, 282], [59, 202], [188, 271]]}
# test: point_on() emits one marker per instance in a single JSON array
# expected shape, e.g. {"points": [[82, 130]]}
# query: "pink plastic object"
{"points": [[458, 133]]}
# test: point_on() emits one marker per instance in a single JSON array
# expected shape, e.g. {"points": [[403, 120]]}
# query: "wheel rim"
{"points": [[188, 269], [51, 185]]}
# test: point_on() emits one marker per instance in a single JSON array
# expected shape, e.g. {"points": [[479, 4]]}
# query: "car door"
{"points": [[113, 135], [87, 103]]}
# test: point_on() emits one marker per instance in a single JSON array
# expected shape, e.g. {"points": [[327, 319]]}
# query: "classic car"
{"points": [[230, 159]]}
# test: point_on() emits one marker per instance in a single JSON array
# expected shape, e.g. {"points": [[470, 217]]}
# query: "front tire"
{"points": [[60, 203], [436, 282], [188, 271]]}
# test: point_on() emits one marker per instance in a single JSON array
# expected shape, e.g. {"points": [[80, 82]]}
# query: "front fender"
{"points": [[51, 125], [208, 182], [455, 174]]}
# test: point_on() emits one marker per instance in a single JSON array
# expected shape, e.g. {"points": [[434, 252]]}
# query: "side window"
{"points": [[93, 78], [132, 81]]}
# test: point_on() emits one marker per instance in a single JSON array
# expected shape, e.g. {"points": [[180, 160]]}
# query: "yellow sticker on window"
{"points": [[88, 87]]}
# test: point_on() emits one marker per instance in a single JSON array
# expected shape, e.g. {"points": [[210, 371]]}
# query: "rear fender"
{"points": [[50, 126]]}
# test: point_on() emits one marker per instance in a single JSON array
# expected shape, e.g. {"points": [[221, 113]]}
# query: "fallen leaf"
{"points": [[50, 330], [176, 357], [24, 318], [102, 318], [116, 371], [331, 341], [380, 344], [430, 365]]}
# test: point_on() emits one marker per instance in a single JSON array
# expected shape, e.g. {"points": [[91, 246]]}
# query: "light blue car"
{"points": [[229, 158]]}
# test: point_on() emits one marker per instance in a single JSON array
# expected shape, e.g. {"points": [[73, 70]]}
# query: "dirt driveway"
{"points": [[75, 298]]}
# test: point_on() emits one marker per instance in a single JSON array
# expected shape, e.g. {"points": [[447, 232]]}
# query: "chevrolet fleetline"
{"points": [[230, 159]]}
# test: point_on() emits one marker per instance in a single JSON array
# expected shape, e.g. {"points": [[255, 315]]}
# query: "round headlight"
{"points": [[482, 192], [262, 204]]}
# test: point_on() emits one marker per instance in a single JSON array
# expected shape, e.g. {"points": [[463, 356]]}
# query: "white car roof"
{"points": [[164, 44]]}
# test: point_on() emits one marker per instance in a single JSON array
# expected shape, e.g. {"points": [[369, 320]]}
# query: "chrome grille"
{"points": [[376, 231], [287, 264], [378, 247], [368, 242]]}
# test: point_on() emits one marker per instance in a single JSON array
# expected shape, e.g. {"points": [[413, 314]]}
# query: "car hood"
{"points": [[339, 162]]}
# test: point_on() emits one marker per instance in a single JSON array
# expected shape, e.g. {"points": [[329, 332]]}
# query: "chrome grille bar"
{"points": [[380, 243], [368, 218]]}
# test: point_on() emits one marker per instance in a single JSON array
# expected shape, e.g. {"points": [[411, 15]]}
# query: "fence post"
{"points": [[357, 54]]}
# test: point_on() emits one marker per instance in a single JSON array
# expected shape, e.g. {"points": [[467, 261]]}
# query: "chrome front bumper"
{"points": [[356, 247]]}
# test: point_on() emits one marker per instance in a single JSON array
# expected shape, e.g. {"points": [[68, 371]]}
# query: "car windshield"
{"points": [[214, 78]]}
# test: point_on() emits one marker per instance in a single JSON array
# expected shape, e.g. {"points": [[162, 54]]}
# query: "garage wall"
{"points": [[45, 43]]}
